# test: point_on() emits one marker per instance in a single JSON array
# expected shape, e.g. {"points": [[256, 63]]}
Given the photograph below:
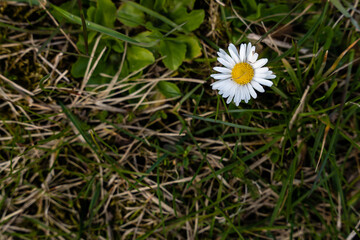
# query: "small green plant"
{"points": [[166, 33]]}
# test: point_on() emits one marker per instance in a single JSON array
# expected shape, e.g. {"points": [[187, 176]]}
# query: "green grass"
{"points": [[92, 146]]}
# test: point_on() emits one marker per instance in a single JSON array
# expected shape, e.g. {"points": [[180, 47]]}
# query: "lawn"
{"points": [[112, 125]]}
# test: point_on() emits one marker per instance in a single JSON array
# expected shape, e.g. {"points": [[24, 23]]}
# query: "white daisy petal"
{"points": [[233, 52], [225, 94], [253, 57], [220, 84], [227, 89], [261, 75], [242, 91], [261, 70], [251, 91], [222, 69], [257, 86], [247, 94], [237, 98], [251, 54], [263, 82], [219, 53], [248, 51], [266, 75], [220, 76], [230, 98], [232, 95], [242, 53], [225, 63], [227, 57], [259, 63]]}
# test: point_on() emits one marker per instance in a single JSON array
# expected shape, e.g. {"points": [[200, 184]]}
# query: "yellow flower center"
{"points": [[242, 73]]}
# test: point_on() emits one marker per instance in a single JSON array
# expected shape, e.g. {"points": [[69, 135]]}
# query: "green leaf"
{"points": [[193, 49], [175, 5], [93, 26], [139, 57], [154, 14], [105, 13], [81, 44], [159, 5], [174, 53], [114, 43], [69, 6], [249, 5], [79, 67], [169, 89], [147, 3], [90, 13], [192, 20], [130, 15], [149, 37]]}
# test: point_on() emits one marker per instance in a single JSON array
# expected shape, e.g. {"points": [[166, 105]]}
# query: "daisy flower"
{"points": [[242, 74]]}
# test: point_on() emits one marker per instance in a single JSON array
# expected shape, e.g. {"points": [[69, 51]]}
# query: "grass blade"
{"points": [[94, 26]]}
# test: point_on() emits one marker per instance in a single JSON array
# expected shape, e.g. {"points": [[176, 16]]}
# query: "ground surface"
{"points": [[104, 138]]}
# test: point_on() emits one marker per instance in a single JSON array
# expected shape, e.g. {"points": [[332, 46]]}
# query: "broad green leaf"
{"points": [[149, 37], [80, 43], [114, 43], [159, 5], [147, 3], [169, 89], [249, 5], [154, 14], [93, 26], [192, 20], [105, 13], [130, 15], [78, 68], [175, 5], [174, 53], [139, 57], [91, 13], [193, 49]]}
